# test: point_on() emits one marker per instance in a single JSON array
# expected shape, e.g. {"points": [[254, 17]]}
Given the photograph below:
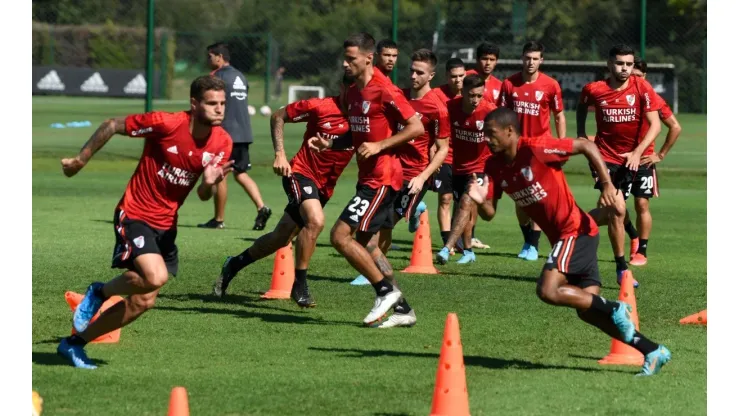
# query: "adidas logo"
{"points": [[172, 149], [136, 85], [94, 84], [504, 184], [604, 102], [515, 95], [51, 81], [326, 125], [456, 124], [354, 218], [239, 84]]}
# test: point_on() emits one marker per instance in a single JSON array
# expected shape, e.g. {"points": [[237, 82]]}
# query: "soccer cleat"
{"points": [[525, 251], [382, 305], [532, 254], [634, 246], [212, 223], [300, 294], [414, 221], [638, 260], [88, 307], [262, 216], [400, 319], [655, 360], [478, 244], [75, 354], [360, 280], [623, 321], [619, 279], [468, 257], [219, 288], [443, 256]]}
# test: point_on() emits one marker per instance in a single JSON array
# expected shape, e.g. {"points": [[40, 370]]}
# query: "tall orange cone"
{"points": [[696, 319], [179, 402], [450, 390], [421, 254], [283, 274], [621, 353], [73, 299]]}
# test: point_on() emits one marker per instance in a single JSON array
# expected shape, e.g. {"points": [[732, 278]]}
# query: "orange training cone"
{"points": [[696, 319], [179, 402], [73, 299], [421, 254], [621, 353], [450, 390], [283, 274]]}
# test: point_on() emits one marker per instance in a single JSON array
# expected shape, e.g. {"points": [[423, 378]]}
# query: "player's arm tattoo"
{"points": [[105, 131], [581, 115], [277, 124]]}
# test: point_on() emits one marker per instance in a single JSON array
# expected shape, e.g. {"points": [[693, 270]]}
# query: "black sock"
{"points": [[642, 344], [534, 238], [621, 263], [445, 235], [473, 232], [642, 248], [631, 231], [525, 232], [382, 288], [402, 306], [602, 305], [300, 276], [76, 340], [241, 261]]}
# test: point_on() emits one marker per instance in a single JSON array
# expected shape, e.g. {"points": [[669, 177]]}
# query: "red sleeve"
{"points": [[665, 112], [300, 110], [504, 95], [396, 106], [442, 129], [149, 125], [226, 147], [586, 96], [651, 101], [550, 150], [556, 100]]}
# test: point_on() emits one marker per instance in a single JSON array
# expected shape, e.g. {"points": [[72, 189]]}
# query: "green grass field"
{"points": [[244, 356]]}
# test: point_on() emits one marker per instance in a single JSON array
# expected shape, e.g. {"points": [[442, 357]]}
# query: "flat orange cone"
{"points": [[73, 299], [421, 254], [283, 274], [695, 319], [179, 402], [621, 353], [450, 390]]}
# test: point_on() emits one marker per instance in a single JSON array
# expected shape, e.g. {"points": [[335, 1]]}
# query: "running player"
{"points": [[178, 148], [387, 56], [627, 123], [533, 95], [308, 180], [466, 120], [529, 171]]}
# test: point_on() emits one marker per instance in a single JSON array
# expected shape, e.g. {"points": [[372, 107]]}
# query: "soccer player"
{"points": [[533, 95], [627, 123], [374, 105], [179, 148], [466, 120], [308, 180], [237, 123], [645, 185], [529, 171], [387, 56]]}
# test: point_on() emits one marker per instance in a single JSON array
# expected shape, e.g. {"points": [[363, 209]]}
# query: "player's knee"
{"points": [[157, 278], [315, 225], [642, 205], [445, 200], [547, 293], [338, 236]]}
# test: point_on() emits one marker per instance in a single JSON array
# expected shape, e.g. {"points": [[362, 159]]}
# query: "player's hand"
{"points": [[368, 150], [318, 144], [609, 196], [651, 160], [280, 166], [632, 160], [214, 174], [478, 193], [415, 185], [71, 166]]}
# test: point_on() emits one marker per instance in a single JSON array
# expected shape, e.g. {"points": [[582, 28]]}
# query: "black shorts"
{"points": [[134, 238], [576, 257], [622, 178], [645, 184], [442, 181], [460, 184], [300, 188], [370, 209], [405, 205], [240, 156]]}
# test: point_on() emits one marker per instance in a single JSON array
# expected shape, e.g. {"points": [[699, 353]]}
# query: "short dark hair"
{"points": [[533, 46], [363, 40], [425, 55], [220, 48], [472, 81], [621, 49], [454, 63], [386, 44], [486, 48], [204, 83], [504, 117], [641, 64]]}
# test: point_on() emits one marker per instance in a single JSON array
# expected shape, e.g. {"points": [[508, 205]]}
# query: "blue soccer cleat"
{"points": [[623, 321], [75, 354], [532, 254], [468, 257], [88, 307], [443, 256], [525, 251], [619, 279], [655, 360], [414, 221], [360, 281]]}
